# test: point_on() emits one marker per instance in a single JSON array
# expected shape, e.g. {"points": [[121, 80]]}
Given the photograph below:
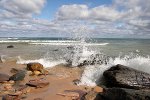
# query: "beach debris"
{"points": [[19, 76], [98, 89], [125, 77], [37, 69], [4, 77], [38, 83], [74, 94], [10, 46]]}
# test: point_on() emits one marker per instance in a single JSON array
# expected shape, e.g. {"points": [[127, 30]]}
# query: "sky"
{"points": [[69, 18]]}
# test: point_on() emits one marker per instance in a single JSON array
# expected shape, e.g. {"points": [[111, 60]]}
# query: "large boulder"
{"points": [[125, 77], [123, 94]]}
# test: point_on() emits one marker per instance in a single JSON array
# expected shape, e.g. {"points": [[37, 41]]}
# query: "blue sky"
{"points": [[68, 18], [52, 6]]}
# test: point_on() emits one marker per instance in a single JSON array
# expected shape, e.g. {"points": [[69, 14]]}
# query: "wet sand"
{"points": [[60, 79]]}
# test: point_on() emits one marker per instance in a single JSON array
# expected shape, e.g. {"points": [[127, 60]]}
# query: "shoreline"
{"points": [[60, 79]]}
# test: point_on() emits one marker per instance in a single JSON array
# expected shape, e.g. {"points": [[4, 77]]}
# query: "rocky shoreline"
{"points": [[124, 83], [34, 82]]}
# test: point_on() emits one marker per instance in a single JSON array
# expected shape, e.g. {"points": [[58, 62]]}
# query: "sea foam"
{"points": [[93, 73], [46, 63]]}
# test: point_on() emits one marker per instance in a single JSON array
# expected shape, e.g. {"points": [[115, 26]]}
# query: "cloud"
{"points": [[78, 12], [21, 8], [74, 11], [104, 13], [122, 18]]}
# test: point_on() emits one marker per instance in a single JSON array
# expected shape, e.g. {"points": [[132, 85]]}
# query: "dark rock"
{"points": [[89, 60], [70, 47], [10, 46], [4, 77], [76, 81], [56, 50], [123, 94], [125, 77], [19, 76]]}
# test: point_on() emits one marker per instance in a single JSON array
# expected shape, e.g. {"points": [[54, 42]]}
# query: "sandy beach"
{"points": [[60, 78]]}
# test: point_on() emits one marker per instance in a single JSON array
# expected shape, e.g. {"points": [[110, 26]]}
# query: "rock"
{"points": [[23, 88], [37, 73], [19, 76], [35, 67], [98, 89], [76, 81], [123, 94], [10, 46], [73, 95], [8, 87], [37, 83], [125, 77], [45, 72], [10, 97], [91, 95], [4, 77], [90, 59], [81, 94]]}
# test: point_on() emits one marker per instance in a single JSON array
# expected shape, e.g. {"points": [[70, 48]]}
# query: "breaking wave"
{"points": [[46, 63], [93, 73]]}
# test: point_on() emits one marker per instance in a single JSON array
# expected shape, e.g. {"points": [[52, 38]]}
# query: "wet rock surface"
{"points": [[125, 77], [10, 46], [37, 69], [123, 94], [19, 76]]}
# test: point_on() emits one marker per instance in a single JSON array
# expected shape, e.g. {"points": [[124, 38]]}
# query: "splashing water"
{"points": [[94, 73], [81, 52]]}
